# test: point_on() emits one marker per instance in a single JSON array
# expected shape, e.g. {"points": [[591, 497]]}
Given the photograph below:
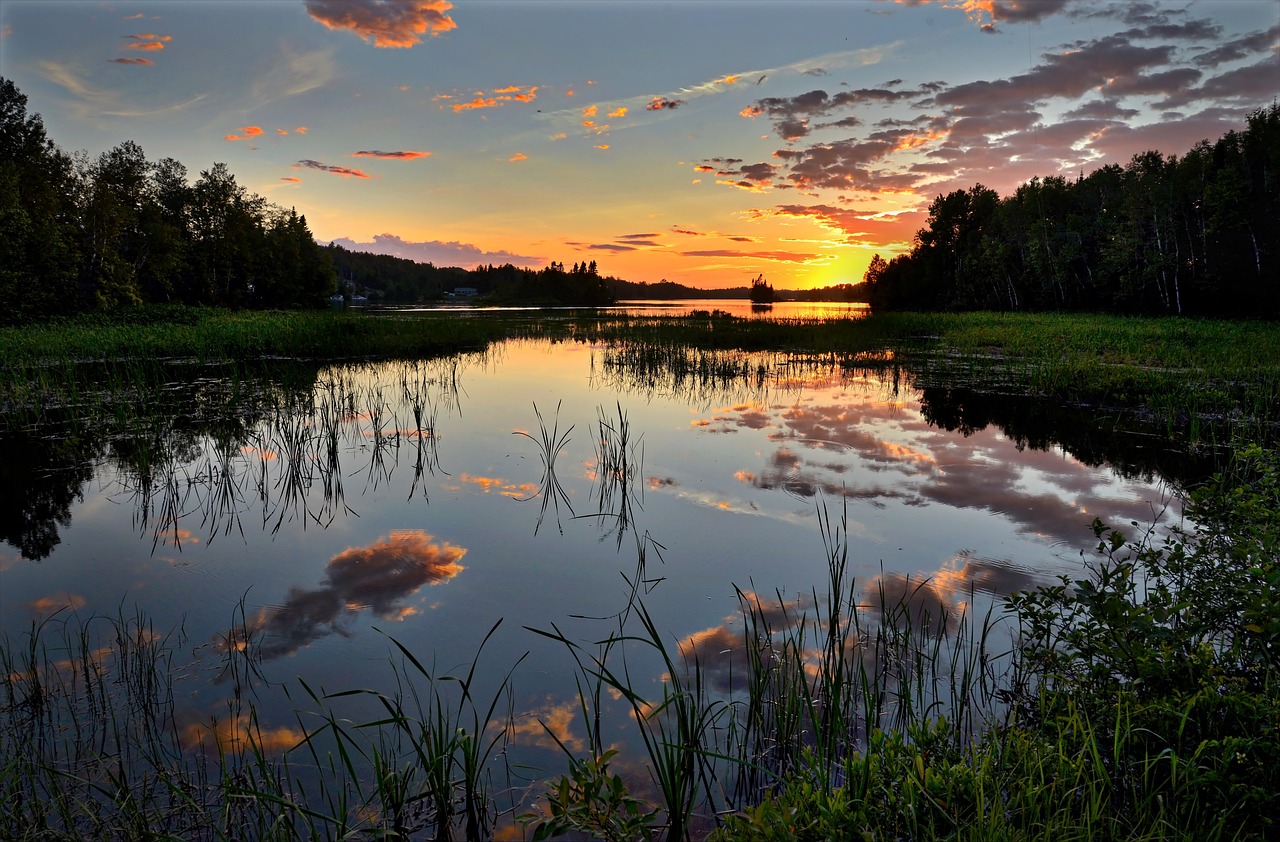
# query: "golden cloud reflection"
{"points": [[550, 726], [53, 603], [376, 578], [505, 488], [239, 733]]}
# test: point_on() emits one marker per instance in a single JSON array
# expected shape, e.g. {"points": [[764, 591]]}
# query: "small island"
{"points": [[761, 291]]}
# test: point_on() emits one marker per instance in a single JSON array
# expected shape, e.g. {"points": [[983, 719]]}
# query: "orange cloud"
{"points": [[147, 41], [382, 23], [407, 155], [300, 130], [729, 80], [282, 131], [496, 99], [519, 156], [602, 146], [751, 111], [142, 61], [618, 112], [660, 103], [248, 132], [345, 172], [589, 111], [291, 179]]}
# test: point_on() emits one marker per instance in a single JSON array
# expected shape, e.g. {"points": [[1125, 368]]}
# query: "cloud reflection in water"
{"points": [[377, 578]]}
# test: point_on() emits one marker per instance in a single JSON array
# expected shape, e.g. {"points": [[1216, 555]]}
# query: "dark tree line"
{"points": [[396, 279], [81, 235], [1196, 235]]}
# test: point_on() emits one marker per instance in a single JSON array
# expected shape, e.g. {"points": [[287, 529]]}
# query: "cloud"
{"points": [[783, 256], [141, 61], [1240, 48], [291, 179], [376, 578], [986, 13], [618, 113], [439, 253], [46, 605], [91, 102], [662, 103], [407, 155], [519, 156], [147, 41], [385, 23], [291, 74], [246, 133], [497, 99], [345, 172]]}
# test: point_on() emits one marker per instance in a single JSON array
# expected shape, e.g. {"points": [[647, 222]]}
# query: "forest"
{"points": [[1196, 235], [83, 235]]}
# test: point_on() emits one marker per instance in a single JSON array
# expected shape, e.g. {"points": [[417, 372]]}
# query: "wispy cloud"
{"points": [[407, 155], [292, 74], [440, 253], [136, 61], [291, 179], [383, 23], [345, 172], [782, 256], [519, 156], [91, 102]]}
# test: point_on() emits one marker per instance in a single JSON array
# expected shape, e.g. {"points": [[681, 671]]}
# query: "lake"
{"points": [[313, 518]]}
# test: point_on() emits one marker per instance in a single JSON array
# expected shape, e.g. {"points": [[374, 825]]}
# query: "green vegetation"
{"points": [[1211, 380], [1195, 235]]}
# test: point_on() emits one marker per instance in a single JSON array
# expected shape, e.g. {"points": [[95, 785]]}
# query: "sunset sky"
{"points": [[700, 142]]}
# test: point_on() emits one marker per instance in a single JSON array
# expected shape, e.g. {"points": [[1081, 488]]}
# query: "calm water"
{"points": [[403, 498]]}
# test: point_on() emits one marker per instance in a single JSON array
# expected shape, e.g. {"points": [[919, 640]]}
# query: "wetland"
{"points": [[298, 571]]}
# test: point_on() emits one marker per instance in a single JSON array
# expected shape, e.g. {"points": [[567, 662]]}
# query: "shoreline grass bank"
{"points": [[1222, 377]]}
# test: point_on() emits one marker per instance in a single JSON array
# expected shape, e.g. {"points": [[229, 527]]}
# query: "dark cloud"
{"points": [[1240, 48], [660, 103], [406, 155], [649, 236], [385, 24], [1248, 85], [439, 253], [377, 578], [610, 247], [345, 172], [142, 61]]}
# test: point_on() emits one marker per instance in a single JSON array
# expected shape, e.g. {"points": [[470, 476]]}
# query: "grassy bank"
{"points": [[1193, 372]]}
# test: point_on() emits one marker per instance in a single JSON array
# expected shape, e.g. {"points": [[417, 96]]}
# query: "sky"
{"points": [[696, 141]]}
